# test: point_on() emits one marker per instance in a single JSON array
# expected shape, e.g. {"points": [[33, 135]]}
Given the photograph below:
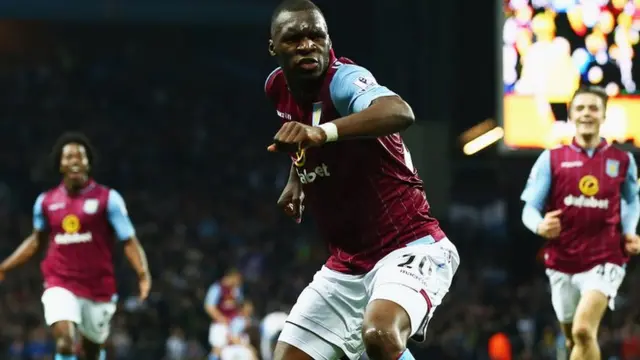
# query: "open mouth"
{"points": [[308, 64], [587, 122], [76, 171]]}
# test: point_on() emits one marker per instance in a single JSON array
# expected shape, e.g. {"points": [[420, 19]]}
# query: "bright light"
{"points": [[595, 75], [483, 141]]}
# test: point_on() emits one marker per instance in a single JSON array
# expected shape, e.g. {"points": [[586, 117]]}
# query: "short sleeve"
{"points": [[353, 88]]}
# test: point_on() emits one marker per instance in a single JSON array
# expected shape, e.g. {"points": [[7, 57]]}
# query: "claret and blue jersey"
{"points": [[597, 191], [374, 176], [82, 229], [117, 215]]}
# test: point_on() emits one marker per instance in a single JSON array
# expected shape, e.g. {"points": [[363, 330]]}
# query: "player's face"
{"points": [[237, 279], [74, 163], [587, 112], [301, 43], [247, 309]]}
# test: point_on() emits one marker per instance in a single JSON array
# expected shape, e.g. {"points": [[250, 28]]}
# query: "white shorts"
{"points": [[237, 352], [218, 335], [566, 288], [271, 325], [92, 318], [326, 321]]}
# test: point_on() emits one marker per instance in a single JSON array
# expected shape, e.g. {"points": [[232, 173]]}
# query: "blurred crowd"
{"points": [[183, 138]]}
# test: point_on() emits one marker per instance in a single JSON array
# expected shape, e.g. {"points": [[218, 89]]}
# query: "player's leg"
{"points": [[584, 332], [324, 322], [95, 327], [64, 335], [93, 350], [218, 339], [62, 313], [566, 329], [298, 343], [387, 327], [564, 299], [406, 287], [598, 287]]}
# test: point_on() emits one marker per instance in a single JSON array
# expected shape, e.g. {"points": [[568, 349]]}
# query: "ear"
{"points": [[272, 48]]}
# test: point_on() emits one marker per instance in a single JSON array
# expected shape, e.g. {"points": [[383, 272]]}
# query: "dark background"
{"points": [[171, 93]]}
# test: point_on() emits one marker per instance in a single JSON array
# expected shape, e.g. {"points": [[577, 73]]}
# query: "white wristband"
{"points": [[331, 130]]}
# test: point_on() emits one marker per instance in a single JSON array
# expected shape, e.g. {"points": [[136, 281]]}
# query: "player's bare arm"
{"points": [[138, 259], [31, 244], [23, 253], [630, 211], [119, 219], [386, 115], [292, 198]]}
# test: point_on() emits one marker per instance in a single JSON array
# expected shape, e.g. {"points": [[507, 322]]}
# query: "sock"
{"points": [[406, 355], [65, 357], [103, 354]]}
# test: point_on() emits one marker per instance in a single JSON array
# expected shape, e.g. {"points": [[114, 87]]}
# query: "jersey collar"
{"points": [[87, 187], [602, 145]]}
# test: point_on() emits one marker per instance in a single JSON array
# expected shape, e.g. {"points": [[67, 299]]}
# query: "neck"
{"points": [[304, 90], [589, 141], [74, 188]]}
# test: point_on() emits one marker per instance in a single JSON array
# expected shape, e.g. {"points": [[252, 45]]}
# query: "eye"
{"points": [[317, 36], [290, 38]]}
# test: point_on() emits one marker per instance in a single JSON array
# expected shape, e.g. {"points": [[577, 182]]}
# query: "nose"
{"points": [[306, 45]]}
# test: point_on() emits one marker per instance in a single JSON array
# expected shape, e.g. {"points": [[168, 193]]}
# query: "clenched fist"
{"points": [[295, 136], [632, 244], [550, 226]]}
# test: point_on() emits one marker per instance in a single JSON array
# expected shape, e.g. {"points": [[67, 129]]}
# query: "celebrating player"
{"points": [[390, 263], [582, 187], [81, 219]]}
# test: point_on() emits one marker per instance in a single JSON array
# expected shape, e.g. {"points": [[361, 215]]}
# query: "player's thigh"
{"points": [[298, 343], [417, 278], [604, 278], [330, 310], [61, 305], [564, 295], [598, 288], [589, 312], [96, 320], [218, 335], [267, 344]]}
